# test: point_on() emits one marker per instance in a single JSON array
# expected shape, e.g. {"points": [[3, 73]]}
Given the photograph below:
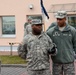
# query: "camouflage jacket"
{"points": [[28, 29], [35, 50]]}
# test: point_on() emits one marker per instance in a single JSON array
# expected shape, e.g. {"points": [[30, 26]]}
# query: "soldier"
{"points": [[27, 26], [64, 36], [27, 30], [36, 48]]}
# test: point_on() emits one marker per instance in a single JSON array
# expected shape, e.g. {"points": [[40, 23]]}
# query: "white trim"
{"points": [[7, 48], [8, 35]]}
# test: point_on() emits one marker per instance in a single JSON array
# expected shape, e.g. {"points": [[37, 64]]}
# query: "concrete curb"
{"points": [[17, 65], [13, 65]]}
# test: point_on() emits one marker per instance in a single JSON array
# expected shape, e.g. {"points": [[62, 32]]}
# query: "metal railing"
{"points": [[11, 46]]}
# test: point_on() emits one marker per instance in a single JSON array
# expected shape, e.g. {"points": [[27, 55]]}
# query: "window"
{"points": [[36, 17], [8, 26], [72, 20]]}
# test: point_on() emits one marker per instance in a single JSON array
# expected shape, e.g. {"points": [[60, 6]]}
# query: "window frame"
{"points": [[7, 35], [71, 15]]}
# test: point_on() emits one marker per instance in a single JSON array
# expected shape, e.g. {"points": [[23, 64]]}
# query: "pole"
{"points": [[11, 44], [11, 49]]}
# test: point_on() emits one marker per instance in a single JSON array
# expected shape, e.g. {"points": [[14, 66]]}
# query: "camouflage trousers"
{"points": [[40, 72], [63, 69]]}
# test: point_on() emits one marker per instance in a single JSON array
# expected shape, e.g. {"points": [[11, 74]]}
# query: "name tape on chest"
{"points": [[63, 34]]}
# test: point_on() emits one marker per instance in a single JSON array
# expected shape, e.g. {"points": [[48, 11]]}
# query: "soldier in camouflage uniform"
{"points": [[27, 30], [64, 36], [27, 26], [36, 48]]}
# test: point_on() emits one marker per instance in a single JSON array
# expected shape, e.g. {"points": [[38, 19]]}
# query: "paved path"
{"points": [[13, 71], [16, 70]]}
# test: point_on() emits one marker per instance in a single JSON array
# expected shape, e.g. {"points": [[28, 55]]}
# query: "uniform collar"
{"points": [[38, 35], [67, 27]]}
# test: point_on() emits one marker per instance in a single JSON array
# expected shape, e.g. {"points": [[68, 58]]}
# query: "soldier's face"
{"points": [[37, 29], [61, 22]]}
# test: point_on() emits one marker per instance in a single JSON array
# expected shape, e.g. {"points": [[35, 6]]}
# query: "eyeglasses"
{"points": [[38, 25], [59, 19]]}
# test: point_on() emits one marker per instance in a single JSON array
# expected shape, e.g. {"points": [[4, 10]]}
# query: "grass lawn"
{"points": [[6, 59]]}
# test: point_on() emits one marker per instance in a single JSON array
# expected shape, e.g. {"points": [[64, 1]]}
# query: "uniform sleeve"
{"points": [[22, 51], [22, 48], [52, 49], [74, 40]]}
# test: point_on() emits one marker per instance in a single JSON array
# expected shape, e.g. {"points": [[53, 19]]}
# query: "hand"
{"points": [[53, 51]]}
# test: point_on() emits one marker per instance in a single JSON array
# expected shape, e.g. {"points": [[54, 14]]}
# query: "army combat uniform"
{"points": [[35, 50], [27, 28]]}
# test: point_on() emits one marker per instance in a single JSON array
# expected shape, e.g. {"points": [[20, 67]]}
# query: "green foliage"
{"points": [[12, 60]]}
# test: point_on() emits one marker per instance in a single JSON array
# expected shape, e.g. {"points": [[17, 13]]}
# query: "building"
{"points": [[14, 13]]}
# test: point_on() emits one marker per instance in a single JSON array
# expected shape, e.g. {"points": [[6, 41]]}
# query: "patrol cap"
{"points": [[37, 21], [60, 14]]}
